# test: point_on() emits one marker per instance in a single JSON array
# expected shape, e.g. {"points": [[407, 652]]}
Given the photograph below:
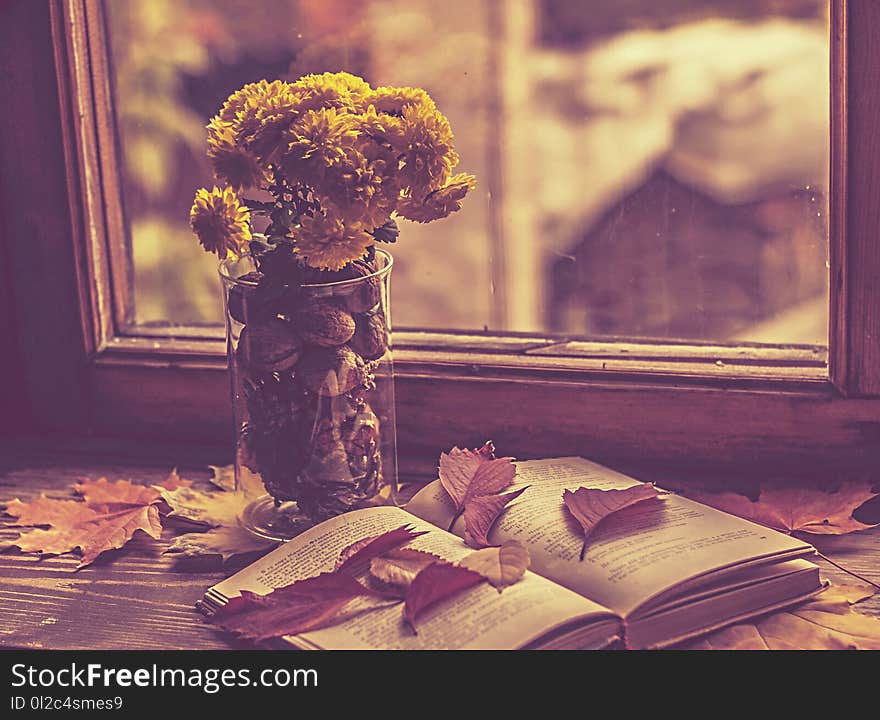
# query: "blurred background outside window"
{"points": [[647, 168]]}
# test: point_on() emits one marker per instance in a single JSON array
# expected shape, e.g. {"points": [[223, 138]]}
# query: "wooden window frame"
{"points": [[736, 409]]}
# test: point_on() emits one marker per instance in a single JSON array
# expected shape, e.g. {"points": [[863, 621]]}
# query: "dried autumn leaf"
{"points": [[214, 509], [797, 509], [849, 594], [400, 567], [223, 477], [116, 494], [174, 481], [48, 511], [590, 506], [474, 480], [75, 525], [825, 623], [216, 513], [124, 492], [305, 605], [435, 583], [365, 550], [228, 542], [501, 566], [480, 514]]}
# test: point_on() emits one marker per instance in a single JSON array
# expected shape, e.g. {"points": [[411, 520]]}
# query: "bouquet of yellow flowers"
{"points": [[332, 161], [340, 160]]}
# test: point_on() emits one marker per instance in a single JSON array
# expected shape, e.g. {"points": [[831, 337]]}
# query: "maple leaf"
{"points": [[474, 480], [74, 525], [370, 547], [501, 566], [173, 481], [827, 622], [118, 494], [304, 605], [399, 567], [216, 515], [797, 509], [590, 506], [434, 583]]}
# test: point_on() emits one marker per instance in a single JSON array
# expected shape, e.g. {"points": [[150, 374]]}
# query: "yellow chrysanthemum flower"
{"points": [[265, 129], [359, 187], [249, 97], [221, 223], [392, 100], [318, 140], [325, 242], [380, 127], [426, 149], [343, 154], [439, 203], [341, 91], [232, 163]]}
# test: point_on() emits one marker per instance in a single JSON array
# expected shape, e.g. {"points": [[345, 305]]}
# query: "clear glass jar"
{"points": [[312, 383]]}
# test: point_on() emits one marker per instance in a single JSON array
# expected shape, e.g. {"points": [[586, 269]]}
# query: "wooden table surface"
{"points": [[138, 598]]}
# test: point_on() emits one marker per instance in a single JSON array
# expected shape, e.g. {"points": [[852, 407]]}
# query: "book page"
{"points": [[633, 555], [477, 618]]}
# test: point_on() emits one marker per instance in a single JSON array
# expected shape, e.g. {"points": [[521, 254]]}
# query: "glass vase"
{"points": [[312, 383]]}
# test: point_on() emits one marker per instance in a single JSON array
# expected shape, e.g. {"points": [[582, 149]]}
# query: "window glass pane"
{"points": [[647, 168]]}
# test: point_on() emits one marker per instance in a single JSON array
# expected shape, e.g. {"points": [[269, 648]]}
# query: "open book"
{"points": [[654, 574]]}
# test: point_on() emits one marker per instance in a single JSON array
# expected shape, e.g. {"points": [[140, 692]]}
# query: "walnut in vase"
{"points": [[269, 345], [367, 294], [324, 323], [370, 339], [330, 372]]}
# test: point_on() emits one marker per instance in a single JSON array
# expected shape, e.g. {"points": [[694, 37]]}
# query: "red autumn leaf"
{"points": [[110, 516], [438, 581], [309, 604], [474, 480], [797, 509], [591, 505], [365, 550], [480, 514]]}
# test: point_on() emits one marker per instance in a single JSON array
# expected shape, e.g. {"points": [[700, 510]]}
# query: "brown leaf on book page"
{"points": [[435, 583], [827, 623], [797, 509], [399, 567], [474, 480], [590, 506], [74, 525], [365, 550], [480, 514], [305, 605], [501, 566]]}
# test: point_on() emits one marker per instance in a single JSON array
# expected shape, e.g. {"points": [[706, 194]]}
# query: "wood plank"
{"points": [[760, 429], [855, 252], [768, 356]]}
